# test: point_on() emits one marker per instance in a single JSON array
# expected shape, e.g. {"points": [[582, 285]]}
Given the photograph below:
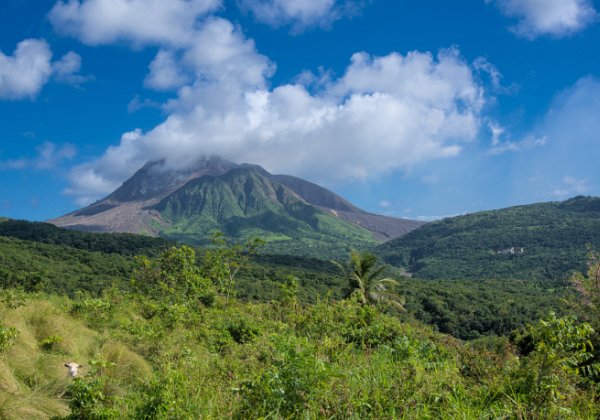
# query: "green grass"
{"points": [[236, 360]]}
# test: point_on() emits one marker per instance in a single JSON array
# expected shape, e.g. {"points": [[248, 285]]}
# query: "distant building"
{"points": [[512, 250]]}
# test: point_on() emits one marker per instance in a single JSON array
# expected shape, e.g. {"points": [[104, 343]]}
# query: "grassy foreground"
{"points": [[144, 359]]}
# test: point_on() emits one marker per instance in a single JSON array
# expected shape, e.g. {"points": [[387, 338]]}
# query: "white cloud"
{"points": [[165, 72], [66, 69], [557, 18], [140, 22], [48, 156], [69, 64], [300, 14], [138, 103], [497, 131], [28, 69], [383, 114], [219, 54], [527, 143], [23, 74], [484, 67]]}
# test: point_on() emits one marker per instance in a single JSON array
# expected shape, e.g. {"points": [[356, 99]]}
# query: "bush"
{"points": [[7, 335], [288, 386], [555, 349], [87, 401], [242, 331], [49, 343]]}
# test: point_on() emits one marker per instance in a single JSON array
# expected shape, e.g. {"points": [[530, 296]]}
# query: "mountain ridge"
{"points": [[241, 200], [540, 241]]}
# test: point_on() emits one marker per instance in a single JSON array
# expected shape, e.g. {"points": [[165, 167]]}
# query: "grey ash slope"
{"points": [[292, 214], [382, 227], [129, 208]]}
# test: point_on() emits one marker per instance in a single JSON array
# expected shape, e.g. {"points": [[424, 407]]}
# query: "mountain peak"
{"points": [[156, 179], [240, 200]]}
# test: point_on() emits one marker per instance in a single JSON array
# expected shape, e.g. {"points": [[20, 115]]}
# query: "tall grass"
{"points": [[143, 359]]}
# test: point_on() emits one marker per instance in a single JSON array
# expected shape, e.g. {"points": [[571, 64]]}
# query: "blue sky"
{"points": [[413, 108]]}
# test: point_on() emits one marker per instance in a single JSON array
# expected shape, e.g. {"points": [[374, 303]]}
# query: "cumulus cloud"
{"points": [[23, 74], [69, 64], [66, 70], [48, 156], [140, 22], [300, 14], [557, 18], [165, 72], [28, 69], [384, 113]]}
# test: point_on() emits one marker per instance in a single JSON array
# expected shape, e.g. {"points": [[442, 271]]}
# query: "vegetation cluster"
{"points": [[554, 237], [178, 332], [177, 345], [466, 309]]}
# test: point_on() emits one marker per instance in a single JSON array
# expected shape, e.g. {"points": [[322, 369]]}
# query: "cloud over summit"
{"points": [[383, 114]]}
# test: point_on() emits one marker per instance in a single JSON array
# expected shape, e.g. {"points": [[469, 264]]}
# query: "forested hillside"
{"points": [[543, 241], [61, 262], [117, 243], [179, 345]]}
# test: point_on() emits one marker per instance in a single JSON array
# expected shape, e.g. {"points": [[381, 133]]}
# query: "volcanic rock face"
{"points": [[155, 181], [216, 194], [129, 207]]}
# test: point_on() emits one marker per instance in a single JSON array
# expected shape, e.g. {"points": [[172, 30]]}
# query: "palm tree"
{"points": [[363, 272]]}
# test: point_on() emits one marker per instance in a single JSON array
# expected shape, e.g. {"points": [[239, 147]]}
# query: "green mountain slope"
{"points": [[244, 200], [247, 202], [554, 237]]}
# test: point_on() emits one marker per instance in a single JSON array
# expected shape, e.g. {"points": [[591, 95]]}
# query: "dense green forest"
{"points": [[554, 238], [109, 243], [70, 262], [178, 344]]}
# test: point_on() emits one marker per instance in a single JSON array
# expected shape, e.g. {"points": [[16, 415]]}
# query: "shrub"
{"points": [[288, 386], [87, 400], [173, 278], [242, 331], [7, 335], [165, 398], [555, 349], [49, 343]]}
